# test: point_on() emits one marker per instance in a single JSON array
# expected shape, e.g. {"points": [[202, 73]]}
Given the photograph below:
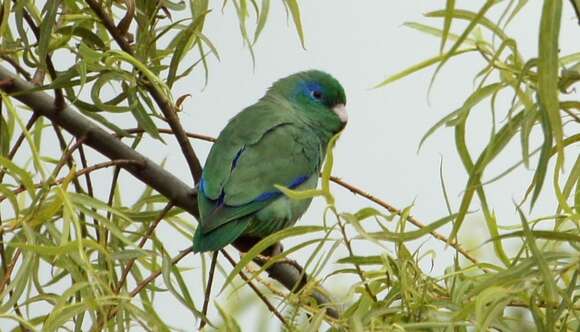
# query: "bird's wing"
{"points": [[257, 150]]}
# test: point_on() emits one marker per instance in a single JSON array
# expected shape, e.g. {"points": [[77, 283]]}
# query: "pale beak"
{"points": [[340, 110]]}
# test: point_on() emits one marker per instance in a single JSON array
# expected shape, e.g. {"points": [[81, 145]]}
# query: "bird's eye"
{"points": [[317, 94]]}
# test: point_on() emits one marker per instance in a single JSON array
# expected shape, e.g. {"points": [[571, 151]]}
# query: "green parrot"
{"points": [[280, 140]]}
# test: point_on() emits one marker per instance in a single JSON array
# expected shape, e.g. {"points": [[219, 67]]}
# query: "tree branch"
{"points": [[353, 189], [147, 171], [167, 108]]}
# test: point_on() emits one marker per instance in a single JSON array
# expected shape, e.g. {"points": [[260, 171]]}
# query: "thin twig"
{"points": [[8, 271], [156, 274], [58, 95], [81, 172], [17, 67], [150, 173], [354, 190], [68, 160], [90, 190], [257, 291], [142, 285], [410, 218], [19, 141], [169, 132], [214, 258], [351, 253], [167, 108], [144, 239], [566, 106]]}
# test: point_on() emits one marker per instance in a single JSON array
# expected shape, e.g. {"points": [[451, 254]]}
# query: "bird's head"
{"points": [[317, 95]]}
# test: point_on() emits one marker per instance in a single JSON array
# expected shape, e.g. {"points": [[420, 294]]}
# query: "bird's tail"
{"points": [[219, 237]]}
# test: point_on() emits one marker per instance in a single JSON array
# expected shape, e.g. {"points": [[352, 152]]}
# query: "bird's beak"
{"points": [[340, 110]]}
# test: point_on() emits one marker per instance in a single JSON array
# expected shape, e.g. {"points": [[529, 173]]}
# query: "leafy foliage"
{"points": [[72, 260]]}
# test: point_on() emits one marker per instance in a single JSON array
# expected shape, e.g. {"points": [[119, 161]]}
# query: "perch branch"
{"points": [[144, 239], [214, 258], [256, 290], [147, 171], [355, 190], [79, 173]]}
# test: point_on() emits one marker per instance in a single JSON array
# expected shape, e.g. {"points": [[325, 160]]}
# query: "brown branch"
{"points": [[141, 167], [256, 290], [141, 286], [81, 172], [147, 171], [214, 258], [156, 274], [351, 253], [125, 22], [90, 191], [165, 105], [19, 69], [170, 132], [59, 96], [355, 190], [8, 272], [410, 218], [144, 239]]}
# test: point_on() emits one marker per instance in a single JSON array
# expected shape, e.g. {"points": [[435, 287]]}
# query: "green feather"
{"points": [[273, 142]]}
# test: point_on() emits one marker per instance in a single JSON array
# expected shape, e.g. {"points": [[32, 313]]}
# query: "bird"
{"points": [[279, 140]]}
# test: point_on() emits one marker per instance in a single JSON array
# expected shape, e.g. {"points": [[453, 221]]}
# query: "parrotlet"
{"points": [[279, 140]]}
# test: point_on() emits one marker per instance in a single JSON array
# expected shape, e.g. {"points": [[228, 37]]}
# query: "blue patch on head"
{"points": [[309, 88]]}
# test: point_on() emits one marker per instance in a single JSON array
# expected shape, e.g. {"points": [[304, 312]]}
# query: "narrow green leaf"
{"points": [[230, 323], [421, 65], [5, 11], [45, 29], [295, 12], [262, 18], [19, 174], [433, 31], [8, 194], [473, 22], [548, 50], [327, 170], [362, 260], [412, 235], [266, 243], [299, 194], [29, 139], [550, 288], [144, 119], [547, 235], [449, 9], [544, 159]]}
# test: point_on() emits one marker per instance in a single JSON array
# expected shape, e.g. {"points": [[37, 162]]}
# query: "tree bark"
{"points": [[289, 275]]}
